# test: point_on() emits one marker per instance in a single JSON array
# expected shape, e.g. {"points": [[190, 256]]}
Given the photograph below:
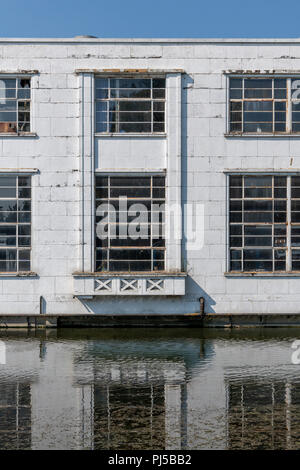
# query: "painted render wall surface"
{"points": [[205, 154]]}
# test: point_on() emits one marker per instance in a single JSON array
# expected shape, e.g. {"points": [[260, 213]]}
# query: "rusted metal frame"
{"points": [[107, 107], [288, 227], [289, 126], [117, 223], [151, 214], [273, 224], [117, 101], [152, 116], [242, 101], [273, 100], [294, 224], [23, 99], [151, 99], [293, 101], [150, 247], [227, 124], [243, 98], [287, 246], [16, 77], [92, 176], [243, 223], [273, 114], [228, 256], [17, 223], [273, 231]]}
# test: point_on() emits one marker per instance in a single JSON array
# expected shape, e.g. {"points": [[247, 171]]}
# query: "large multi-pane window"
{"points": [[264, 105], [130, 105], [15, 223], [130, 223], [264, 223], [14, 105]]}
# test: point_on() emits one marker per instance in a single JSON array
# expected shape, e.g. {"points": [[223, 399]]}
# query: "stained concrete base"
{"points": [[159, 321]]}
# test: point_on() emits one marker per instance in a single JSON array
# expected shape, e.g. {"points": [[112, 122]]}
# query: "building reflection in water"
{"points": [[138, 391], [268, 419], [15, 415], [148, 390]]}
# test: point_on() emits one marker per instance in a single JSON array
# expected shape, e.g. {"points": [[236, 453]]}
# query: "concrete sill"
{"points": [[88, 285], [19, 274], [19, 135], [263, 274], [131, 274], [132, 134], [271, 136]]}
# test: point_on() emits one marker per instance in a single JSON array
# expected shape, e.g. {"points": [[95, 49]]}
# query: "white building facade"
{"points": [[138, 176]]}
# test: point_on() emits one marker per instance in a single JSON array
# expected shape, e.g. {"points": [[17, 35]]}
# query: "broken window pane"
{"points": [[15, 228], [14, 105], [254, 222], [262, 105], [134, 225], [135, 105], [7, 192], [130, 93]]}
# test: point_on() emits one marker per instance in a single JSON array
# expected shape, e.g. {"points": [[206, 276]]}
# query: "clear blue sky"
{"points": [[151, 18]]}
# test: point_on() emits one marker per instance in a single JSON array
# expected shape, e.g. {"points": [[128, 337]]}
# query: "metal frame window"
{"points": [[264, 105], [264, 223], [130, 105], [145, 198], [15, 95], [259, 105], [15, 223]]}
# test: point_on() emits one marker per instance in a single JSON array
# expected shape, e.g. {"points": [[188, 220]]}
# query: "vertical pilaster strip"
{"points": [[288, 226], [86, 93], [173, 164]]}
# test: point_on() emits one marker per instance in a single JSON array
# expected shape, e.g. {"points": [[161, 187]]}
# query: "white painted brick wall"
{"points": [[55, 152]]}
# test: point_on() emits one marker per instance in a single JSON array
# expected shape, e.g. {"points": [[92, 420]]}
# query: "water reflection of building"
{"points": [[135, 393], [96, 394], [15, 395], [15, 415], [272, 405], [139, 390], [263, 396], [39, 408]]}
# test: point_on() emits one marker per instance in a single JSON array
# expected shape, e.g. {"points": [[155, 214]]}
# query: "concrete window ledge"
{"points": [[137, 284], [263, 274], [19, 274], [259, 136], [20, 135], [131, 134]]}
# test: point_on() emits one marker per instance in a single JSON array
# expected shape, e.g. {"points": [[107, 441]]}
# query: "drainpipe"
{"points": [[41, 304], [202, 303]]}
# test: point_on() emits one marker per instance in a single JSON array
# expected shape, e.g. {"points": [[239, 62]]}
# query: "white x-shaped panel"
{"points": [[131, 284], [103, 285], [155, 285]]}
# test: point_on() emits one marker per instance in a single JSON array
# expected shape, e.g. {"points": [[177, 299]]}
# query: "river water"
{"points": [[153, 389]]}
